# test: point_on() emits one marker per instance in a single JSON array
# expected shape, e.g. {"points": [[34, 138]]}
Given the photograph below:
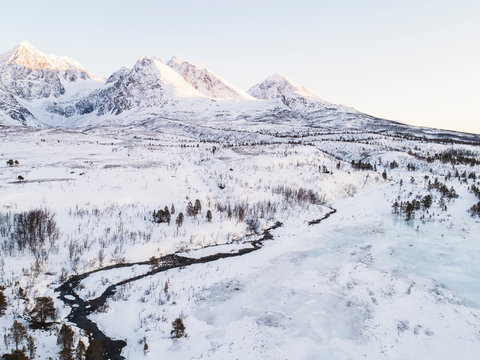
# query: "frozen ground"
{"points": [[363, 283]]}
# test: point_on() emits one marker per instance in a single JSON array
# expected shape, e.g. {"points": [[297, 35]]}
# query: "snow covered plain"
{"points": [[363, 283]]}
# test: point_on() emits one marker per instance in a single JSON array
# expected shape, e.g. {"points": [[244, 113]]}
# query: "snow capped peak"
{"points": [[31, 74], [26, 45], [175, 60], [278, 78], [207, 82], [28, 56], [157, 72], [118, 75], [277, 85]]}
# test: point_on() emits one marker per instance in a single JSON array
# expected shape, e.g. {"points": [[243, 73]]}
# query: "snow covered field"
{"points": [[363, 283]]}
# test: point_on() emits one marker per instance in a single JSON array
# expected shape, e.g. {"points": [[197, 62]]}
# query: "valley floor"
{"points": [[361, 284]]}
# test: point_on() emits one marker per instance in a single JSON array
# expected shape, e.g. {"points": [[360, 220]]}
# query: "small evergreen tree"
{"points": [[172, 209], [384, 175], [209, 216], [197, 207], [409, 211], [180, 219], [3, 303], [80, 351], [65, 337], [427, 201], [190, 209], [43, 310], [178, 329]]}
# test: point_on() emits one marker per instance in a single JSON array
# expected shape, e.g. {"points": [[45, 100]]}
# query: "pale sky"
{"points": [[411, 61]]}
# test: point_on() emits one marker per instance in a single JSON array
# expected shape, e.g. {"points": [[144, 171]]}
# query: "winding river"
{"points": [[81, 309]]}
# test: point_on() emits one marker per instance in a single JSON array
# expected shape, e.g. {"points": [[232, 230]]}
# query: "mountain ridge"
{"points": [[43, 90]]}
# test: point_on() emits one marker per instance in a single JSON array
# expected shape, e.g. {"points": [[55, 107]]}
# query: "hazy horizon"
{"points": [[410, 62]]}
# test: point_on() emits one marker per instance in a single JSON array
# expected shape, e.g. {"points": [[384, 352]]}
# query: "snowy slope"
{"points": [[206, 82], [14, 113]]}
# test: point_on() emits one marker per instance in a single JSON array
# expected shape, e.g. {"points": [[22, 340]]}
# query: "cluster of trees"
{"points": [[28, 230], [3, 301], [246, 211], [360, 165], [475, 209], [298, 195], [65, 338], [163, 216], [12, 162], [25, 344], [454, 157], [393, 164], [324, 169], [443, 189], [476, 191], [42, 311], [408, 208], [19, 335], [411, 167], [192, 210]]}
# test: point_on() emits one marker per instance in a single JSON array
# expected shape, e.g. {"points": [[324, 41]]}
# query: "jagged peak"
{"points": [[278, 85], [118, 75], [278, 77], [154, 70], [175, 60], [207, 82], [27, 55], [26, 45]]}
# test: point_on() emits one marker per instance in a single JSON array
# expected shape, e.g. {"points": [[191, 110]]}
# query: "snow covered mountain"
{"points": [[206, 82], [37, 89], [30, 74], [43, 90], [276, 86], [28, 77], [150, 85], [296, 97]]}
